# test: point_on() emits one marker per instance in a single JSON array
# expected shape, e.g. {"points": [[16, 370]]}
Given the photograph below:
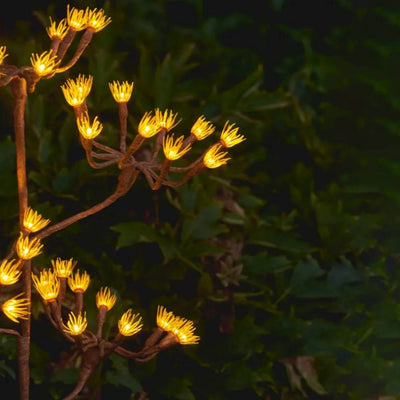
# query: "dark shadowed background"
{"points": [[287, 258]]}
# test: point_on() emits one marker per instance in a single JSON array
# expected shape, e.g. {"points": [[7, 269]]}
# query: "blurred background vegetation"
{"points": [[287, 258]]}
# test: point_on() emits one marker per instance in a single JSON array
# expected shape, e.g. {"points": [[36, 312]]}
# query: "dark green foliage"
{"points": [[286, 258]]}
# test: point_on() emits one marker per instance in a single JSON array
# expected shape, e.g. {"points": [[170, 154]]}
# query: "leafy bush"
{"points": [[286, 258]]}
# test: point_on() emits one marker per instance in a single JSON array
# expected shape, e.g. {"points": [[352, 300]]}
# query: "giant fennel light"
{"points": [[156, 128]]}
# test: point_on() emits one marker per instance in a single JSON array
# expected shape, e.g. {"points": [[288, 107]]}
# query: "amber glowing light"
{"points": [[76, 19], [130, 323], [164, 318], [214, 158], [76, 91], [28, 248], [16, 308], [9, 272], [33, 221], [3, 54], [89, 130], [96, 20], [148, 125], [45, 63], [182, 328], [166, 120], [47, 284], [202, 128], [121, 91], [63, 268], [76, 324], [104, 298], [57, 31], [229, 136], [173, 148], [78, 282]]}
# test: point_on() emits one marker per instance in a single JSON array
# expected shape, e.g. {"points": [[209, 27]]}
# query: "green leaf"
{"points": [[178, 389], [278, 239], [134, 232], [7, 156], [120, 375], [163, 83], [262, 263], [204, 224]]}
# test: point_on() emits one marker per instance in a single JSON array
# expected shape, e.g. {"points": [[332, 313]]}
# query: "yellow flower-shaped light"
{"points": [[76, 325], [57, 31], [79, 282], [202, 128], [87, 129], [3, 54], [166, 119], [172, 149], [130, 323], [27, 248], [16, 308], [148, 125], [229, 136], [63, 268], [165, 319], [214, 158], [76, 91], [104, 298], [96, 20], [183, 329], [45, 63], [33, 221], [9, 272], [76, 19], [47, 284], [121, 91]]}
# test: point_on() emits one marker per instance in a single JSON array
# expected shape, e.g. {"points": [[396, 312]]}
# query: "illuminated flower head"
{"points": [[16, 308], [3, 54], [202, 128], [28, 248], [76, 325], [79, 282], [165, 318], [148, 125], [63, 268], [96, 20], [172, 149], [214, 158], [104, 298], [76, 19], [45, 63], [166, 120], [88, 130], [183, 330], [9, 272], [229, 136], [47, 284], [76, 91], [130, 323], [57, 31], [121, 91], [33, 221]]}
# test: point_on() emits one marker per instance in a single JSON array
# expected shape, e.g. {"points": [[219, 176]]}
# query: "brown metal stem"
{"points": [[19, 91], [84, 42], [83, 214], [123, 116]]}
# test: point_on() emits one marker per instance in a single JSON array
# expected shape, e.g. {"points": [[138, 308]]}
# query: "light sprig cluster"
{"points": [[157, 131], [157, 122], [26, 248]]}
